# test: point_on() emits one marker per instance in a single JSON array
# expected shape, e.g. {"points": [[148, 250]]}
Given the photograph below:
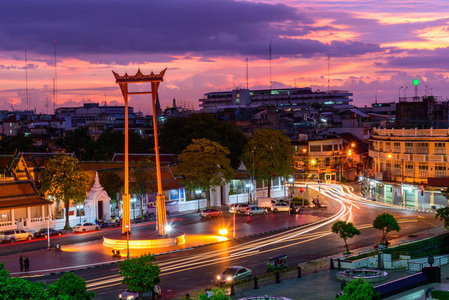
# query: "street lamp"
{"points": [[290, 180], [79, 207], [127, 241], [133, 201], [254, 182], [198, 193]]}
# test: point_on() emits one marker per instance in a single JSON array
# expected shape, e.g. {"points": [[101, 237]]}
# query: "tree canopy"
{"points": [[201, 126], [64, 180], [273, 155], [68, 287], [359, 289], [140, 274], [205, 165], [443, 214], [345, 230], [111, 182], [77, 141], [386, 223]]}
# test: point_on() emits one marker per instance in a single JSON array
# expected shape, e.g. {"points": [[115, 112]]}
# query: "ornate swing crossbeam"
{"points": [[154, 80]]}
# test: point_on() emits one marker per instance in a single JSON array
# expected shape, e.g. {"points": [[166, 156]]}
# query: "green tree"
{"points": [[345, 230], [17, 143], [359, 289], [205, 165], [63, 179], [201, 126], [111, 182], [386, 223], [140, 274], [141, 180], [443, 214], [69, 286], [273, 155], [77, 141]]}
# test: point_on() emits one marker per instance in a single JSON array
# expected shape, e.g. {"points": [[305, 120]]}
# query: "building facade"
{"points": [[406, 165]]}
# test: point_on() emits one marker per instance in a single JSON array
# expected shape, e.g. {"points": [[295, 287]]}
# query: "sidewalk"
{"points": [[324, 285]]}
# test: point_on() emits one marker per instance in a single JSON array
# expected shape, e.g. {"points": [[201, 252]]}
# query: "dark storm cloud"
{"points": [[214, 28]]}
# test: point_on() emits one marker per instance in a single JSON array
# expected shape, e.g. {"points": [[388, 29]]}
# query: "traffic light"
{"points": [[422, 191], [301, 190]]}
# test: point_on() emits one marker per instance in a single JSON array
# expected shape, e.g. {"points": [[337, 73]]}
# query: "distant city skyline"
{"points": [[370, 48]]}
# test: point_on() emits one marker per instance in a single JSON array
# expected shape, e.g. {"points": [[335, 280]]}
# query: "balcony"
{"points": [[419, 157]]}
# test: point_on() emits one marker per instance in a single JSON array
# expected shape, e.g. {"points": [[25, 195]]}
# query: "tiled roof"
{"points": [[17, 189], [15, 194], [23, 202]]}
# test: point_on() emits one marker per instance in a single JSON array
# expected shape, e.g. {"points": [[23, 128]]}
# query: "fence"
{"points": [[418, 266]]}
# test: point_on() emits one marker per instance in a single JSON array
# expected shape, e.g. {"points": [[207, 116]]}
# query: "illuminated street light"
{"points": [[133, 201], [79, 207], [198, 193], [168, 228]]}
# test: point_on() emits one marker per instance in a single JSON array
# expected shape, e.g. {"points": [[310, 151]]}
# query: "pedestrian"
{"points": [[21, 263], [27, 264]]}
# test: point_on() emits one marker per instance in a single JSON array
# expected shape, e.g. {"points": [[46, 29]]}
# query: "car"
{"points": [[43, 233], [127, 294], [280, 206], [255, 210], [234, 273], [238, 208], [85, 227], [211, 212], [14, 235]]}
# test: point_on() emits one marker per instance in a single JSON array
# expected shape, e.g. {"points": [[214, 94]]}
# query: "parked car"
{"points": [[233, 274], [13, 235], [85, 227], [255, 210], [238, 208], [211, 212], [280, 206], [127, 294], [43, 233]]}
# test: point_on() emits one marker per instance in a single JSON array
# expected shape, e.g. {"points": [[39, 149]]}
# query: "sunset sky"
{"points": [[374, 48]]}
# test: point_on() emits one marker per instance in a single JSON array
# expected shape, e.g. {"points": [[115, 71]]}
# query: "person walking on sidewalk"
{"points": [[27, 264], [21, 263]]}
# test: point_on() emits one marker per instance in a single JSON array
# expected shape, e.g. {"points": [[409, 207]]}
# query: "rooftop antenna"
{"points": [[26, 80], [47, 104], [269, 58], [105, 102], [247, 73], [55, 81], [328, 67]]}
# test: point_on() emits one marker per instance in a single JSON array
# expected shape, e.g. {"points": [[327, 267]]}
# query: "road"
{"points": [[196, 269]]}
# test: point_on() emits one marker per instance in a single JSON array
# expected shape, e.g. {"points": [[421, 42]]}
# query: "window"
{"points": [[440, 148], [408, 148], [409, 170], [381, 146], [440, 171], [315, 148], [397, 147], [335, 147], [397, 169], [423, 171], [423, 148], [388, 146], [327, 147]]}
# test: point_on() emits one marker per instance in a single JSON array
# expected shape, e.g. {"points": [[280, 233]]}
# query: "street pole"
{"points": [[254, 182], [402, 183], [48, 229], [127, 241]]}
